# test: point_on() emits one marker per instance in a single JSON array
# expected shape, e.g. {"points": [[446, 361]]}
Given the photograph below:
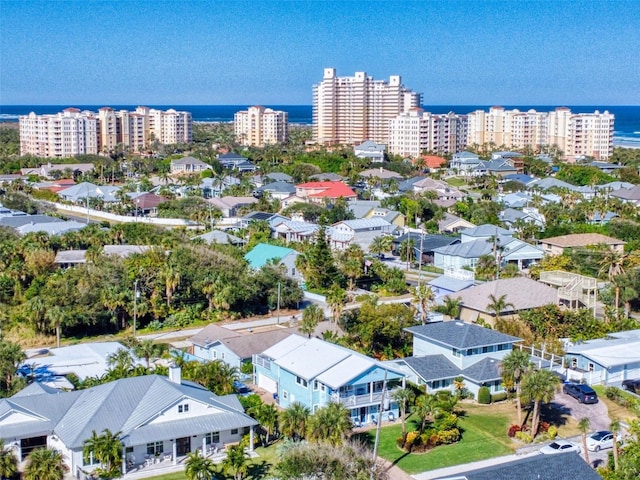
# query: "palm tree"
{"points": [[293, 421], [8, 462], [267, 416], [198, 467], [172, 279], [423, 296], [451, 307], [499, 305], [614, 426], [311, 317], [538, 386], [583, 426], [146, 349], [408, 251], [381, 244], [106, 449], [45, 464], [425, 406], [486, 267], [120, 363], [236, 461], [514, 366], [336, 298], [404, 396], [331, 424]]}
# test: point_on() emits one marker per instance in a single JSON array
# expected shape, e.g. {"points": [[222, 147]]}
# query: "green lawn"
{"points": [[484, 436], [456, 182]]}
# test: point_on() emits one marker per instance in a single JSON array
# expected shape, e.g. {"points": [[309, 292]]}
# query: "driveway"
{"points": [[597, 413]]}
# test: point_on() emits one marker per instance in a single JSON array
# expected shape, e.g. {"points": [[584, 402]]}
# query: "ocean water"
{"points": [[626, 127]]}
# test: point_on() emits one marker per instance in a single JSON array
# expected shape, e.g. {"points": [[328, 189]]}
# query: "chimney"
{"points": [[175, 374]]}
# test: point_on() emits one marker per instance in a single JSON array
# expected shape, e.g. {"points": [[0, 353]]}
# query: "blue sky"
{"points": [[272, 52]]}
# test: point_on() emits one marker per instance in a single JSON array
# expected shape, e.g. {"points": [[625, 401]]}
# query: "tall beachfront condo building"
{"points": [[414, 132], [575, 134], [74, 132], [65, 134], [259, 126], [350, 110]]}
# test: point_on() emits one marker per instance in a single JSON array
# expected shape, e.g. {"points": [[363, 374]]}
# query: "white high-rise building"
{"points": [[72, 132], [416, 131], [65, 134], [350, 110], [575, 134], [259, 126]]}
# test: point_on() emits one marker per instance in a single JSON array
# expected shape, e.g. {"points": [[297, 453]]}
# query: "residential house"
{"points": [[124, 251], [314, 372], [295, 231], [220, 237], [362, 208], [628, 195], [453, 224], [498, 167], [442, 190], [53, 170], [530, 215], [327, 177], [320, 192], [370, 150], [486, 240], [188, 166], [464, 162], [69, 258], [146, 203], [568, 466], [276, 190], [235, 347], [407, 185], [362, 232], [233, 161], [520, 293], [85, 191], [271, 218], [264, 253], [557, 245], [380, 174], [433, 162], [606, 167], [444, 351], [519, 178], [229, 206], [52, 228], [424, 245], [445, 285], [157, 419], [607, 361]]}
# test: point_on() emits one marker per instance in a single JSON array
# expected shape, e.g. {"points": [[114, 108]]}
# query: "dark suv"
{"points": [[632, 385], [582, 393]]}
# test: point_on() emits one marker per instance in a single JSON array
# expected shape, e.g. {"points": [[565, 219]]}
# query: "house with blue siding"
{"points": [[607, 361], [314, 373], [444, 351]]}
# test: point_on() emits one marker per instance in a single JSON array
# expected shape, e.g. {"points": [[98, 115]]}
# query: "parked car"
{"points": [[560, 446], [599, 440], [242, 389], [582, 393], [631, 385]]}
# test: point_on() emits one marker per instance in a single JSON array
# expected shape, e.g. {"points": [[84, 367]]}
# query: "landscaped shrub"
{"points": [[446, 421], [543, 427], [498, 397], [513, 429], [410, 440], [484, 396], [552, 432], [524, 437], [445, 437]]}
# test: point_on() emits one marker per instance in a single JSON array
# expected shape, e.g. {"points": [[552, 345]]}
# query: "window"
{"points": [[155, 448], [234, 431], [88, 460], [285, 395], [183, 408], [455, 352], [301, 381], [591, 367], [211, 438]]}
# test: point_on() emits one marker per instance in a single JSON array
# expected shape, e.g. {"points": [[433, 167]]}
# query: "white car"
{"points": [[560, 446], [599, 440]]}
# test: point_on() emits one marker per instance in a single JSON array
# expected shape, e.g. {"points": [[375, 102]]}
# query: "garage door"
{"points": [[267, 383]]}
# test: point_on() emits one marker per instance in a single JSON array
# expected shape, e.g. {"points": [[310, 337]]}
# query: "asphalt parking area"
{"points": [[597, 413]]}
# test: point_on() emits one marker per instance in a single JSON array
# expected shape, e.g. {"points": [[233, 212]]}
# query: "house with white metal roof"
{"points": [[160, 419], [608, 360], [313, 372]]}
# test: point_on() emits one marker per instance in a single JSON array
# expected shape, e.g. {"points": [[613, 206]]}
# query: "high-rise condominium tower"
{"points": [[74, 132], [350, 110], [258, 126]]}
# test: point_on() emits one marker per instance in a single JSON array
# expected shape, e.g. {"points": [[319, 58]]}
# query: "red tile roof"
{"points": [[433, 161], [330, 189]]}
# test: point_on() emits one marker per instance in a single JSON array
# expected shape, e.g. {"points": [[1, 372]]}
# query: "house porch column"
{"points": [[124, 460], [251, 438], [174, 448], [204, 446]]}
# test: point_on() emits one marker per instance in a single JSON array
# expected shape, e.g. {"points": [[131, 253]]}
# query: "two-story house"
{"points": [[314, 373], [443, 351], [158, 419]]}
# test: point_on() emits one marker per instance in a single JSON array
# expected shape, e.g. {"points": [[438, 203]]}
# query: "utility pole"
{"points": [[135, 306], [278, 322], [377, 441], [420, 253]]}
